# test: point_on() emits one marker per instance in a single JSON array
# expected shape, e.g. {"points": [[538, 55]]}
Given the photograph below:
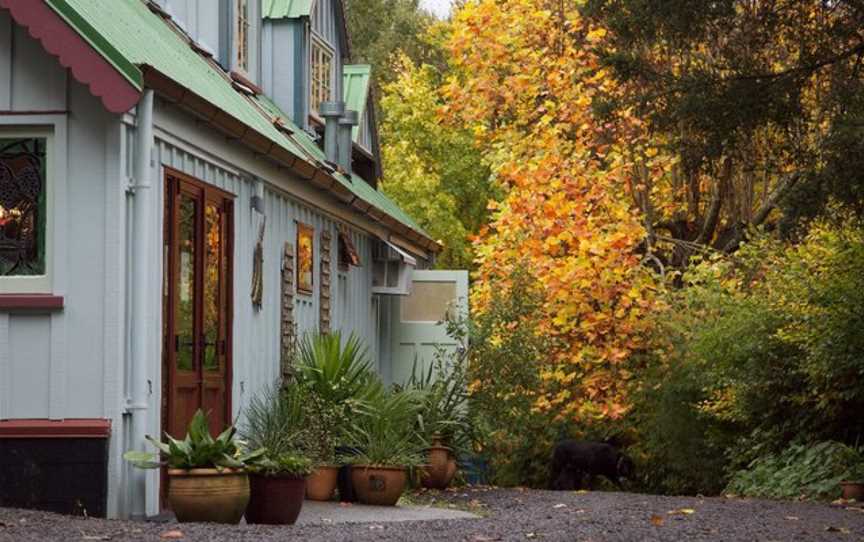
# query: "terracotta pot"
{"points": [[438, 477], [379, 485], [321, 484], [853, 490], [434, 474], [451, 471], [275, 500], [208, 495]]}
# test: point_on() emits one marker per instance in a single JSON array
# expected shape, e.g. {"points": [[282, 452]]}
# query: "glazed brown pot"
{"points": [[379, 485], [853, 490], [321, 484], [208, 495], [275, 500]]}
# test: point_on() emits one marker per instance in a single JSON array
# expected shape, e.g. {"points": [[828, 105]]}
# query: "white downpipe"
{"points": [[141, 291]]}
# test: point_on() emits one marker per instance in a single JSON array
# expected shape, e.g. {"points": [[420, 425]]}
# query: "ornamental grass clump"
{"points": [[280, 420], [443, 389], [384, 431]]}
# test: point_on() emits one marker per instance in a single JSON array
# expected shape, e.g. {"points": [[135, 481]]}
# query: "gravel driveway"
{"points": [[507, 514]]}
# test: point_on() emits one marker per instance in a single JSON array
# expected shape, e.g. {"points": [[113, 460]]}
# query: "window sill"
{"points": [[41, 428], [31, 302]]}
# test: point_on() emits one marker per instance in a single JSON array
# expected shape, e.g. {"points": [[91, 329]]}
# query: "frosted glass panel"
{"points": [[428, 301]]}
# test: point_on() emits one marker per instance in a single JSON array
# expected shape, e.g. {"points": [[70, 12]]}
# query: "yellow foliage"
{"points": [[525, 82]]}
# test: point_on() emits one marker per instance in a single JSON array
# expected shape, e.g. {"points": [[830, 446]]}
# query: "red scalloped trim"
{"points": [[86, 64]]}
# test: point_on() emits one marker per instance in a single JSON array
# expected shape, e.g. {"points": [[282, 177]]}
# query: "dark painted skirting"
{"points": [[59, 466]]}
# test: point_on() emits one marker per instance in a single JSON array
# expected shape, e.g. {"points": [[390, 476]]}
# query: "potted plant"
{"points": [[338, 374], [387, 445], [277, 487], [321, 483], [278, 421], [853, 487], [207, 480]]}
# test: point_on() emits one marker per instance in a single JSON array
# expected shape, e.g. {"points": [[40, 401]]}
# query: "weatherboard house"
{"points": [[185, 187]]}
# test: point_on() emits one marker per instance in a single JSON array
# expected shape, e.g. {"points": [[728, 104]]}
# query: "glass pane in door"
{"points": [[212, 284], [185, 307]]}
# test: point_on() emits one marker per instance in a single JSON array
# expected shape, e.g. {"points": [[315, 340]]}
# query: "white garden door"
{"points": [[418, 326]]}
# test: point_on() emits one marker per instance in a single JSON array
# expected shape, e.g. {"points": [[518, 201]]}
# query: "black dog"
{"points": [[572, 460]]}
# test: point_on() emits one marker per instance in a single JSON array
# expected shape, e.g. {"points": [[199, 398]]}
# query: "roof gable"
{"points": [[295, 9], [355, 90]]}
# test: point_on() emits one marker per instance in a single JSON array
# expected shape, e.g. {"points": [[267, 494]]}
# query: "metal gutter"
{"points": [[141, 356]]}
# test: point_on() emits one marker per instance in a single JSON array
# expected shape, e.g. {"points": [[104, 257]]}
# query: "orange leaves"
{"points": [[526, 87]]}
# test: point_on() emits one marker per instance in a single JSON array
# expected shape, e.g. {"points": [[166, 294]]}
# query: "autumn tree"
{"points": [[526, 81], [433, 170]]}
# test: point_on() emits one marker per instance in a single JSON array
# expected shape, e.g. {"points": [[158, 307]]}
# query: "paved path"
{"points": [[328, 513], [505, 515]]}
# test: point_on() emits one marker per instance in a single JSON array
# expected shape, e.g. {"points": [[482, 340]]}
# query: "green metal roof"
{"points": [[287, 9], [129, 36], [78, 19], [358, 186], [355, 90]]}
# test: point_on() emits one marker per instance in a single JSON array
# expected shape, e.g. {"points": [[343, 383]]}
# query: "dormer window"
{"points": [[241, 35], [321, 71]]}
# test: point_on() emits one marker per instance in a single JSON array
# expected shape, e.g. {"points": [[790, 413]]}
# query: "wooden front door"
{"points": [[197, 303]]}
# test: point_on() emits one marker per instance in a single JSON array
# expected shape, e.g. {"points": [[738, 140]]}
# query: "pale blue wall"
{"points": [[284, 72], [285, 58], [68, 363]]}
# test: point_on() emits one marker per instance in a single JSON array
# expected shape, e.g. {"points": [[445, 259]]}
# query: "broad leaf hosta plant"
{"points": [[199, 450], [811, 471]]}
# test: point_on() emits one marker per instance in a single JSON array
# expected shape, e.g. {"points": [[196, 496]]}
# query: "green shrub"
{"points": [[506, 353], [679, 450], [801, 471], [762, 349]]}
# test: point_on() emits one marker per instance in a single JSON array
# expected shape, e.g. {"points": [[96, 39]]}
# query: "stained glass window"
{"points": [[22, 206], [305, 265]]}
